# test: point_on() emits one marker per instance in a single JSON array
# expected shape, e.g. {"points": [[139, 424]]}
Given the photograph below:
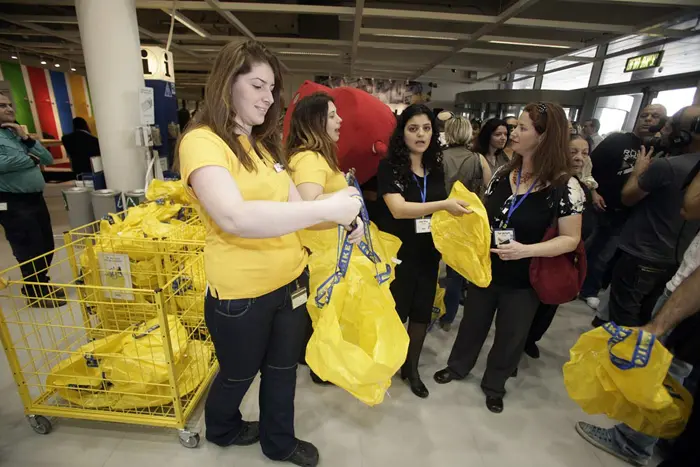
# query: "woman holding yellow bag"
{"points": [[233, 168], [411, 188], [524, 198], [314, 132]]}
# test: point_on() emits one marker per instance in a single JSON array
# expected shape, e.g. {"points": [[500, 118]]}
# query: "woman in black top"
{"points": [[522, 201], [580, 148], [411, 188]]}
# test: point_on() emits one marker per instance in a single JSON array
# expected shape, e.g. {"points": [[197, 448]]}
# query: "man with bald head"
{"points": [[652, 243], [613, 160]]}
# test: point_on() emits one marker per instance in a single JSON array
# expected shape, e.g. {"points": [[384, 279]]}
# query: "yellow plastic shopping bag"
{"points": [[439, 309], [170, 190], [359, 342], [465, 241], [623, 373], [130, 369]]}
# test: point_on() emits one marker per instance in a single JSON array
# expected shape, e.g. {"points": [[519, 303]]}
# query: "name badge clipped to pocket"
{"points": [[423, 225], [3, 206], [299, 297], [503, 236], [279, 167]]}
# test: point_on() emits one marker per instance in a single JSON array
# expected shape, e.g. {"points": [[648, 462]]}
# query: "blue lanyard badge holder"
{"points": [[325, 290], [504, 235], [423, 224]]}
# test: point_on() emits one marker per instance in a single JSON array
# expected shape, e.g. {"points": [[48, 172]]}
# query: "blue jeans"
{"points": [[254, 335], [600, 251], [638, 444], [453, 292]]}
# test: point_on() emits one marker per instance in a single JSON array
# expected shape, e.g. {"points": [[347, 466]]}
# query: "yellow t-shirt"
{"points": [[311, 167], [242, 267]]}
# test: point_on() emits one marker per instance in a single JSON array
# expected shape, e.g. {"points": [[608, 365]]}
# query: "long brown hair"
{"points": [[551, 161], [307, 130], [233, 60]]}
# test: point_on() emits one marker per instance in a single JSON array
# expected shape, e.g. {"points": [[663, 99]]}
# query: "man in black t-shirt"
{"points": [[613, 160], [650, 241]]}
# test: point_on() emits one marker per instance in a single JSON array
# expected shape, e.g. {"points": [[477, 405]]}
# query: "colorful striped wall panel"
{"points": [[46, 101]]}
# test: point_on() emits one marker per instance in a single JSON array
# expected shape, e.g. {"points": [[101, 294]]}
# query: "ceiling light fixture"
{"points": [[188, 23], [43, 62], [531, 44], [57, 65], [73, 69], [316, 54], [413, 36]]}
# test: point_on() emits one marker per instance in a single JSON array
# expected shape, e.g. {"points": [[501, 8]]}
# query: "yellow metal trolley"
{"points": [[118, 335]]}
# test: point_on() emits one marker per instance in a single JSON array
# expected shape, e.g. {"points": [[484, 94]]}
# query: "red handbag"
{"points": [[558, 279]]}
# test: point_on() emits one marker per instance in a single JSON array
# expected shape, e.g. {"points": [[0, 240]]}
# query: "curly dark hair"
{"points": [[399, 155]]}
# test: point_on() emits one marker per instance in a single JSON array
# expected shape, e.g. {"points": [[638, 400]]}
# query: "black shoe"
{"points": [[415, 383], [597, 322], [494, 404], [249, 434], [532, 350], [445, 376], [316, 379], [46, 302], [305, 455]]}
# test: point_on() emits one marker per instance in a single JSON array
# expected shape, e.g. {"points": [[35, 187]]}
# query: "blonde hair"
{"points": [[458, 130]]}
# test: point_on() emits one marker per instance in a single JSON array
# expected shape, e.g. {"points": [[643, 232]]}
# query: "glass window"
{"points": [[679, 57], [675, 99], [565, 80], [528, 82]]}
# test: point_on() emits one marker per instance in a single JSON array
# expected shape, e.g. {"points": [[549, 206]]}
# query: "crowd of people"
{"points": [[633, 198]]}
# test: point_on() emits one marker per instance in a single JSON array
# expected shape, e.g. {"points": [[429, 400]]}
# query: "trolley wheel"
{"points": [[41, 425], [189, 440]]}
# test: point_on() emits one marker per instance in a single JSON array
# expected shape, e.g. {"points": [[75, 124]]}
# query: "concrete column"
{"points": [[110, 38]]}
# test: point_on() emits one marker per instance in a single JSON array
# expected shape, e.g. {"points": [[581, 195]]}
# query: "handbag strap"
{"points": [[642, 348]]}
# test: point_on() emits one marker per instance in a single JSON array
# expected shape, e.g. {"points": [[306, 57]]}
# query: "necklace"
{"points": [[524, 177]]}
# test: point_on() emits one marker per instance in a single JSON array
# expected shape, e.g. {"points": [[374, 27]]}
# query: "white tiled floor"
{"points": [[450, 428]]}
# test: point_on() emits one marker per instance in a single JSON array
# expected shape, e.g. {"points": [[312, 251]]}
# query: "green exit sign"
{"points": [[644, 62]]}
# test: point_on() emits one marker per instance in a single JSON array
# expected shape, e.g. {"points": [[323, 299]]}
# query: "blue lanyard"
{"points": [[513, 204], [424, 191]]}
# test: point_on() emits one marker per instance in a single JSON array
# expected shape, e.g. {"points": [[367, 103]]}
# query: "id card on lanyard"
{"points": [[504, 235], [423, 224]]}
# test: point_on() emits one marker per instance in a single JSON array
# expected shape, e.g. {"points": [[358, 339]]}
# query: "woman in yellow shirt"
{"points": [[311, 150], [234, 169]]}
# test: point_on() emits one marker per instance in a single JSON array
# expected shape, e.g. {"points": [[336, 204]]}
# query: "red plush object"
{"points": [[365, 132]]}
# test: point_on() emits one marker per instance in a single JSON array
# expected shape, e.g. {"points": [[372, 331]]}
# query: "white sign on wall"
{"points": [[157, 63], [147, 106]]}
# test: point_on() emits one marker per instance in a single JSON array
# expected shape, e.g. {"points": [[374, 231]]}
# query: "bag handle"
{"points": [[367, 248], [642, 349], [325, 290]]}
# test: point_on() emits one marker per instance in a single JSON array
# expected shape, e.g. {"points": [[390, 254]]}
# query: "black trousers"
{"points": [[262, 334], [27, 225], [541, 322], [516, 309], [636, 286], [686, 448]]}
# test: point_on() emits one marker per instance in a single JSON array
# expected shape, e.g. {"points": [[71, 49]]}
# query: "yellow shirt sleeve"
{"points": [[309, 167], [201, 148]]}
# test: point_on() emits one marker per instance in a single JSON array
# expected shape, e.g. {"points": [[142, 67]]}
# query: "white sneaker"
{"points": [[593, 302]]}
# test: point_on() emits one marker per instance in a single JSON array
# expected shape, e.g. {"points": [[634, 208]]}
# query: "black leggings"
{"points": [[516, 309]]}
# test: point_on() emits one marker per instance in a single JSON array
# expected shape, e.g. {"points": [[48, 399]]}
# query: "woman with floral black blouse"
{"points": [[523, 199]]}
